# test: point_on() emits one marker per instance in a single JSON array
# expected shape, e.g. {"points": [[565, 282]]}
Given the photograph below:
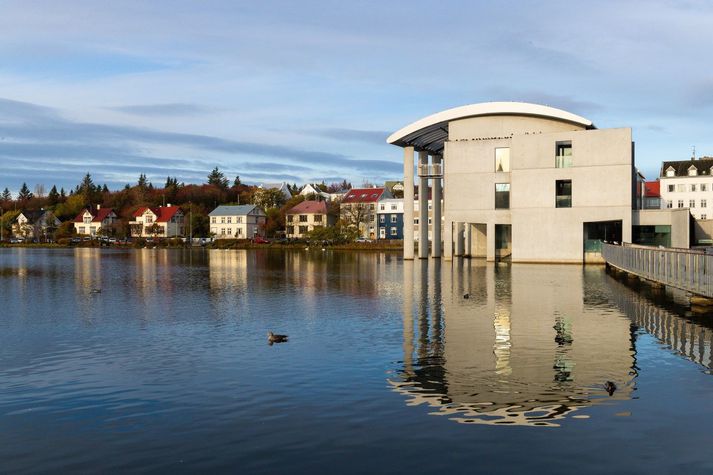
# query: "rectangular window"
{"points": [[502, 196], [222, 219], [669, 204], [693, 187], [230, 220], [382, 207], [563, 154], [213, 220], [393, 218], [691, 203], [703, 216], [502, 159], [239, 219], [703, 187], [395, 232], [680, 203], [240, 231], [415, 220], [303, 229], [393, 207], [382, 218], [704, 203], [671, 188], [222, 231], [563, 194], [230, 231], [303, 218], [290, 218], [317, 218], [680, 187]]}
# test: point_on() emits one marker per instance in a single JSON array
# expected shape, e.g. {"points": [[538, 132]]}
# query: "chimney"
{"points": [[99, 207]]}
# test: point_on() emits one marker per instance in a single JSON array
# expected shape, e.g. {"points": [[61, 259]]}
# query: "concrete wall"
{"points": [[678, 219], [601, 177]]}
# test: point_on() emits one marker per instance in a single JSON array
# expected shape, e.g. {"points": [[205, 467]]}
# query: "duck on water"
{"points": [[273, 338]]}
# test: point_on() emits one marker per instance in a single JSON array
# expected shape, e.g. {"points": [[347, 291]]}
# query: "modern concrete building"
{"points": [[522, 181]]}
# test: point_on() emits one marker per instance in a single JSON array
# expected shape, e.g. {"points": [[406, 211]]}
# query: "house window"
{"points": [[290, 218], [563, 154], [317, 218], [222, 219], [371, 207], [303, 218], [693, 187], [230, 220], [213, 220], [240, 231], [691, 203], [415, 220], [82, 230], [680, 203], [303, 229], [502, 195], [692, 170], [148, 219], [87, 219], [671, 188], [703, 216], [394, 231], [382, 207], [670, 171], [394, 218], [704, 203], [669, 204], [502, 159], [230, 231], [393, 207], [222, 231], [382, 218], [563, 194], [703, 187], [680, 187]]}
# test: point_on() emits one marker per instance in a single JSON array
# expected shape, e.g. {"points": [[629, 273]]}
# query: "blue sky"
{"points": [[308, 90]]}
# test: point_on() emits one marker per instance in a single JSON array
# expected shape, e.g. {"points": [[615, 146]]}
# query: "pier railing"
{"points": [[686, 269]]}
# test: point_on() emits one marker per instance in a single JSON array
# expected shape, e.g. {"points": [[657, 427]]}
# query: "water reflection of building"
{"points": [[525, 348]]}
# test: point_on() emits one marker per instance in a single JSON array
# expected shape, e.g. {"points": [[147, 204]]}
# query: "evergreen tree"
{"points": [[6, 195], [25, 193], [87, 185], [143, 182], [217, 178], [105, 189], [237, 182], [53, 196], [127, 187], [62, 194]]}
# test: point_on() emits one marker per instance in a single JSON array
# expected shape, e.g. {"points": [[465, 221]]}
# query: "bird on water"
{"points": [[610, 387], [466, 296], [273, 338]]}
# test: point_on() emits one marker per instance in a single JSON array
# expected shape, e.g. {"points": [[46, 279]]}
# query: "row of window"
{"points": [[382, 218], [214, 220], [227, 231], [382, 207], [303, 218], [563, 156], [296, 229], [563, 194], [692, 187], [691, 204]]}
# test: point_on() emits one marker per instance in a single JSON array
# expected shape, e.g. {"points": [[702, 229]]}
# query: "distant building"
{"points": [[281, 187], [92, 222], [652, 195], [390, 214], [310, 190], [688, 184], [237, 222], [358, 209], [162, 221], [305, 217], [35, 224]]}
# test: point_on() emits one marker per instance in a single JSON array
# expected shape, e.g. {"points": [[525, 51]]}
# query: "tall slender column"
{"points": [[459, 239], [408, 203], [423, 207], [468, 242], [437, 193], [448, 240]]}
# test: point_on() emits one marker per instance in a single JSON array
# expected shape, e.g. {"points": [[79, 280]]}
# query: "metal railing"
{"points": [[431, 170], [689, 270]]}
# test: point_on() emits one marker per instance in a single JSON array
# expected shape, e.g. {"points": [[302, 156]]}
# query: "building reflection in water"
{"points": [[525, 347]]}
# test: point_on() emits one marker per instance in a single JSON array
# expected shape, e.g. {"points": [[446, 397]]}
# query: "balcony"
{"points": [[434, 170]]}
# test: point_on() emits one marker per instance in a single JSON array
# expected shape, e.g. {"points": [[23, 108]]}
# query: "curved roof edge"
{"points": [[484, 109]]}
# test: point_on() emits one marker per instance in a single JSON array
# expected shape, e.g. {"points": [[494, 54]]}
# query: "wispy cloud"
{"points": [[160, 110]]}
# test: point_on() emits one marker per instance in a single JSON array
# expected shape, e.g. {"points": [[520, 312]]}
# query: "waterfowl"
{"points": [[272, 338], [610, 387], [466, 296], [96, 291]]}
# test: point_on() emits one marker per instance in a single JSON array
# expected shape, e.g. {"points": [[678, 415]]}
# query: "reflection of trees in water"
{"points": [[448, 369]]}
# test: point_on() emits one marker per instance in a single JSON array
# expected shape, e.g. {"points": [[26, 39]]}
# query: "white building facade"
{"points": [[237, 222], [688, 184]]}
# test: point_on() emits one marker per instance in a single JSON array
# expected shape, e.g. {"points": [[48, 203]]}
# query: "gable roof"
{"points": [[31, 216], [98, 215], [163, 213], [680, 167], [363, 195], [237, 210], [309, 207]]}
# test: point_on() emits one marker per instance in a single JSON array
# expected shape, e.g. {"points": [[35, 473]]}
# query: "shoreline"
{"points": [[237, 245]]}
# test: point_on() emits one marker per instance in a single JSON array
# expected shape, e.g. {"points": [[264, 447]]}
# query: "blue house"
{"points": [[390, 218]]}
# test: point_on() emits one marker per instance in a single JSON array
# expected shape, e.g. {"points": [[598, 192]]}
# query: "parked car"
{"points": [[260, 240], [362, 239], [16, 241]]}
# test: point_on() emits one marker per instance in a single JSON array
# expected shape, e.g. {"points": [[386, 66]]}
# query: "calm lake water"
{"points": [[388, 367]]}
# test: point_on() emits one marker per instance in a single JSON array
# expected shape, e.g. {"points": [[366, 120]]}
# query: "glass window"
{"points": [[502, 159], [703, 187], [393, 207], [317, 218], [669, 204], [671, 188], [691, 203], [230, 231], [692, 171], [230, 220], [290, 218], [303, 229], [563, 154], [213, 220], [382, 207], [563, 194], [303, 218], [502, 196], [680, 187], [222, 219], [704, 203], [395, 231], [670, 172], [393, 218], [680, 203], [239, 219], [693, 187], [382, 218]]}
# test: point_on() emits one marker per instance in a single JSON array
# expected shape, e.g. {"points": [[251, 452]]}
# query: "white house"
{"points": [[281, 187], [92, 222], [688, 184], [35, 224], [163, 221], [237, 222]]}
